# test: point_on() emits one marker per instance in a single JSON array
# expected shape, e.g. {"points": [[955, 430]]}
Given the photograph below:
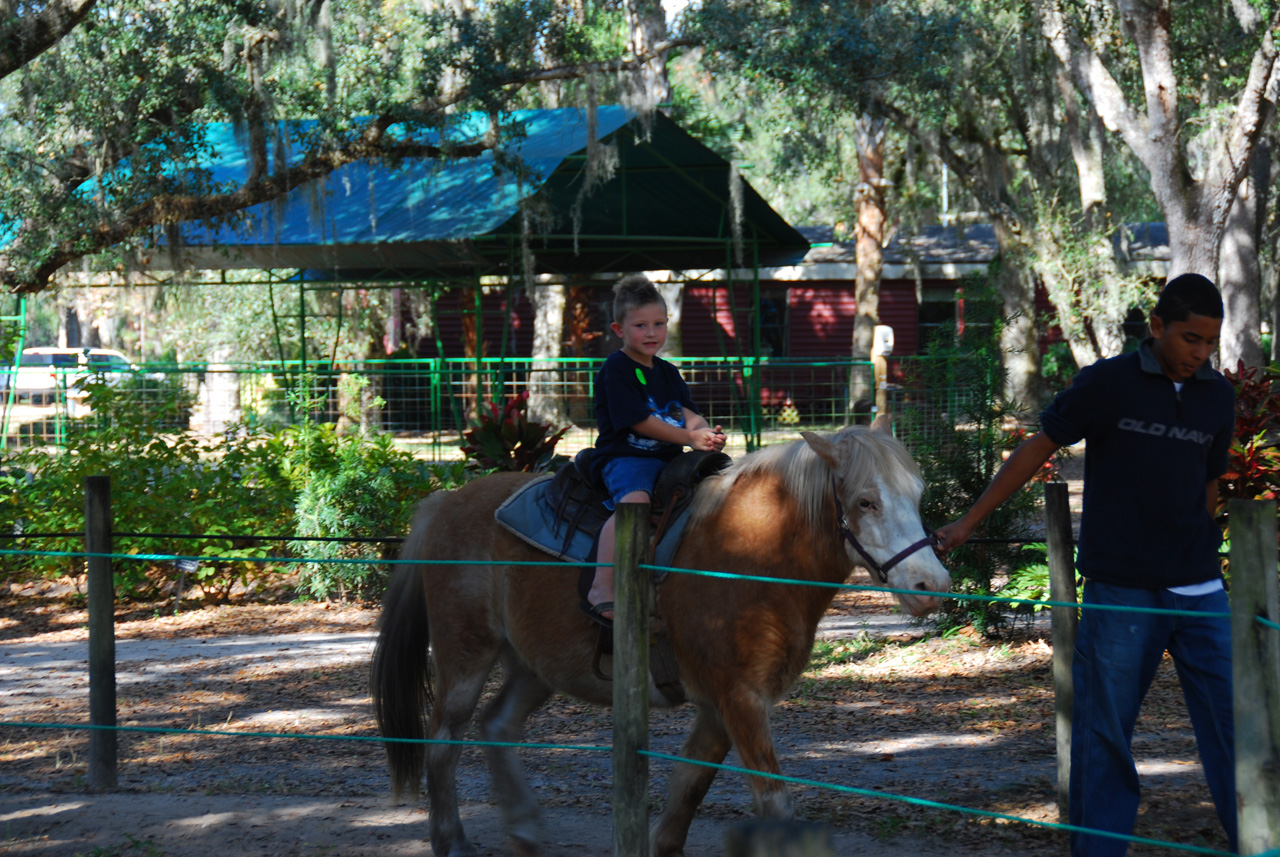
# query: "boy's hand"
{"points": [[707, 439]]}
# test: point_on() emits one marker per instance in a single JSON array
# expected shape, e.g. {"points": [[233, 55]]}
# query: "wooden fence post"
{"points": [[1062, 588], [633, 587], [102, 633], [1255, 673], [778, 838]]}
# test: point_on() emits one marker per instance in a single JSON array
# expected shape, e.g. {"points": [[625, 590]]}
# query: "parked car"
{"points": [[48, 376]]}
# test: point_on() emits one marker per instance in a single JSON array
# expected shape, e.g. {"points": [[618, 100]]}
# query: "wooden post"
{"points": [[1255, 673], [633, 588], [777, 838], [1062, 588], [102, 633]]}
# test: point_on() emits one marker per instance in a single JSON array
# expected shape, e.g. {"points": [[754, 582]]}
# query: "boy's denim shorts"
{"points": [[624, 475]]}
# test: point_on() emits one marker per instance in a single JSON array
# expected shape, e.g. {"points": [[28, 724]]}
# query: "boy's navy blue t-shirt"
{"points": [[1149, 450], [627, 393]]}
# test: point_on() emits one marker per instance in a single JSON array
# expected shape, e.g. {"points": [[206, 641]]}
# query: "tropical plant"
{"points": [[1253, 468], [509, 440]]}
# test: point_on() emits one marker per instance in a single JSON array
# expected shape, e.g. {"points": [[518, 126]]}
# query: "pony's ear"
{"points": [[826, 450], [882, 423]]}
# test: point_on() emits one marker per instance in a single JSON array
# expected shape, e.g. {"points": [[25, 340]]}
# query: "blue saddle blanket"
{"points": [[529, 515]]}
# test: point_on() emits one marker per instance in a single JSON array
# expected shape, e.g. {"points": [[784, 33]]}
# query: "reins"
{"points": [[881, 570]]}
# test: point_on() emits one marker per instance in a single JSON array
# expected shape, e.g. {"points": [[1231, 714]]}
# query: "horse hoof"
{"points": [[521, 848], [458, 849]]}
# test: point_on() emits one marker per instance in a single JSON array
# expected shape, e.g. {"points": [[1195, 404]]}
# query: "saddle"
{"points": [[578, 497]]}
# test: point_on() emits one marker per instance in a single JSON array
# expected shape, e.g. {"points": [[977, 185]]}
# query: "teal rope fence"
{"points": [[933, 804], [599, 748], [596, 748]]}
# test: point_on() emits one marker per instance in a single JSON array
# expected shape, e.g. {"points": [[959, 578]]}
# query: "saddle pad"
{"points": [[528, 515]]}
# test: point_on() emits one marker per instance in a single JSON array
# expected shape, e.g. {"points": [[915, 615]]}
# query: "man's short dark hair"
{"points": [[1186, 295]]}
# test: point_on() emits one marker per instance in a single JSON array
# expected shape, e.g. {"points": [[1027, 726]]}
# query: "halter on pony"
{"points": [[881, 570]]}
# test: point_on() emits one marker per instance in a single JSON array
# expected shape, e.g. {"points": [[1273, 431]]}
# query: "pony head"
{"points": [[878, 485]]}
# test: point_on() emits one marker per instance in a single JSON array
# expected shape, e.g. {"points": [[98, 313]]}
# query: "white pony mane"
{"points": [[807, 476]]}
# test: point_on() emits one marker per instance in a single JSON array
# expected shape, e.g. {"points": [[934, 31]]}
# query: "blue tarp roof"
{"points": [[667, 206]]}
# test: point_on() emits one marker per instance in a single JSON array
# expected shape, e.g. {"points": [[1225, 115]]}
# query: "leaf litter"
{"points": [[961, 721]]}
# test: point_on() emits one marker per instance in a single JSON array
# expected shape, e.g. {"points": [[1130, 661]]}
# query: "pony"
{"points": [[778, 512]]}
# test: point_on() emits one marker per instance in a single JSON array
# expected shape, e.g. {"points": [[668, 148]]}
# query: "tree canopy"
{"points": [[103, 101], [1052, 115]]}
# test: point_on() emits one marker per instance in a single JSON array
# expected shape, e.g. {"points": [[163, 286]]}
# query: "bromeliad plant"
{"points": [[1253, 468], [508, 440]]}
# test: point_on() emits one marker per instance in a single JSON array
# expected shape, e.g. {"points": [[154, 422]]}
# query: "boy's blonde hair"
{"points": [[634, 290]]}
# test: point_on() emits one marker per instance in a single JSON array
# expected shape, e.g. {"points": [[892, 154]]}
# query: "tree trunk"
{"points": [[69, 333], [1240, 273], [1196, 203], [869, 240], [473, 348], [546, 382], [1019, 339], [395, 321], [673, 294]]}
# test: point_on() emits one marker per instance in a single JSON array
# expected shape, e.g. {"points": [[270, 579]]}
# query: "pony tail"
{"points": [[400, 677]]}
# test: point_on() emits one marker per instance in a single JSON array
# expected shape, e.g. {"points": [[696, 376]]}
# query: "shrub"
{"points": [[162, 484], [304, 480], [352, 487], [349, 487]]}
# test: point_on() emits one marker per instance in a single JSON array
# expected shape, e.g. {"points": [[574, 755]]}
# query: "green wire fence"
{"points": [[431, 399]]}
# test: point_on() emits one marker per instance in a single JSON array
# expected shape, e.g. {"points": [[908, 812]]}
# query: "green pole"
{"points": [[302, 324], [479, 309], [757, 407], [275, 325], [21, 317]]}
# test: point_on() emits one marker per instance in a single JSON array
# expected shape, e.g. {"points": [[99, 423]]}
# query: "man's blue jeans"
{"points": [[1116, 656]]}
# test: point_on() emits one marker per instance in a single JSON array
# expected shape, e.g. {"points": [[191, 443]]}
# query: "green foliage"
{"points": [[304, 479], [1057, 365], [356, 486], [508, 440], [959, 435], [10, 334], [160, 483], [1030, 581], [350, 487], [160, 401]]}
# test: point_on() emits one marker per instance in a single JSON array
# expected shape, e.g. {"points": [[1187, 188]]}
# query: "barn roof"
{"points": [[668, 205]]}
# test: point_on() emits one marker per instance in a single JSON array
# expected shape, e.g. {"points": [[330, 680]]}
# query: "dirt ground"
{"points": [[960, 721]]}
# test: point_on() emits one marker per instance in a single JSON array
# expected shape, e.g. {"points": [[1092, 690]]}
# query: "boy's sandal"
{"points": [[596, 612]]}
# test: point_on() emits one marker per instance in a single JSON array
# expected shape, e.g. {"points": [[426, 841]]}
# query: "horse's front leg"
{"points": [[503, 721], [707, 742]]}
